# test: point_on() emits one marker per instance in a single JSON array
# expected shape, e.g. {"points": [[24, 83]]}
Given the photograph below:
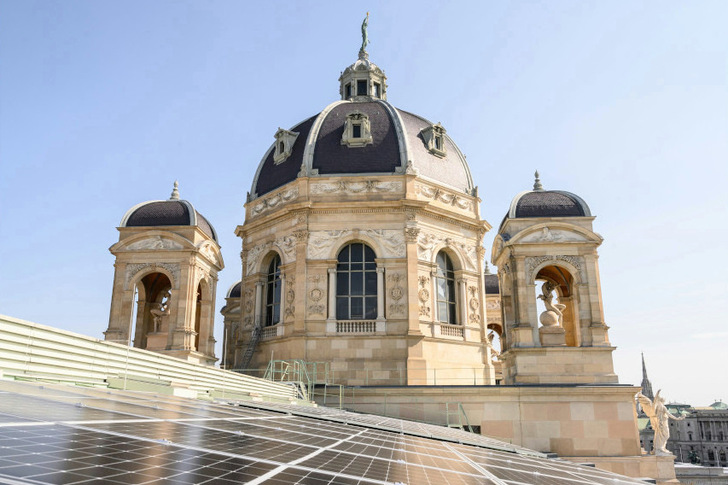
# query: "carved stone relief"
{"points": [[207, 251], [535, 261], [274, 200], [555, 235], [411, 233], [321, 242], [391, 241], [290, 297], [316, 295], [396, 294], [286, 244], [134, 268], [424, 296], [345, 187], [427, 242], [474, 305], [156, 242], [443, 196], [248, 306]]}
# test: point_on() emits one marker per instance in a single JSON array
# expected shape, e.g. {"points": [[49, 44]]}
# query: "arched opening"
{"points": [[273, 293], [446, 302], [555, 301], [153, 307], [356, 283], [495, 336]]}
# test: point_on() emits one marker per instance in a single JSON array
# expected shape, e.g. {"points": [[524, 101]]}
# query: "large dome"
{"points": [[395, 141], [172, 212]]}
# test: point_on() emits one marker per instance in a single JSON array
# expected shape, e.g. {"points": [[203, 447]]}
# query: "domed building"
{"points": [[165, 276], [547, 238], [362, 247], [362, 252]]}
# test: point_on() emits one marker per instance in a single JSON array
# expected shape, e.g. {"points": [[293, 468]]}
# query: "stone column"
{"points": [[380, 293], [436, 331], [463, 301], [331, 320], [258, 304], [282, 307], [380, 300]]}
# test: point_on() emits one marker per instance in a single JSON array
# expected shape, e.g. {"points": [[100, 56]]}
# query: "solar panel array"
{"points": [[61, 435]]}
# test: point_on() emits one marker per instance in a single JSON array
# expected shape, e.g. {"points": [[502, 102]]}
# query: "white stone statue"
{"points": [[163, 310], [659, 417], [554, 311]]}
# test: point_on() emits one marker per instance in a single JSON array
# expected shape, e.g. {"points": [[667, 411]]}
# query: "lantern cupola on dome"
{"points": [[363, 80]]}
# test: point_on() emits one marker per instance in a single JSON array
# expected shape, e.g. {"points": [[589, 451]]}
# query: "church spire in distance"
{"points": [[646, 384]]}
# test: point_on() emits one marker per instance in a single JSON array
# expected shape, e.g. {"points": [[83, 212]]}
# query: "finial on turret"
{"points": [[175, 192], [364, 38], [487, 268], [537, 184]]}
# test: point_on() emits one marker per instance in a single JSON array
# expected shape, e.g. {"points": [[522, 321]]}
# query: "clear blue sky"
{"points": [[104, 104]]}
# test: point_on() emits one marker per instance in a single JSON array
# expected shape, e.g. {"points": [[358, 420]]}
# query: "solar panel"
{"points": [[52, 434]]}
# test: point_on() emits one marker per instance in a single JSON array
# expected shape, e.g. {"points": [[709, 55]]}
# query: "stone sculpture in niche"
{"points": [[554, 311], [162, 311], [659, 417]]}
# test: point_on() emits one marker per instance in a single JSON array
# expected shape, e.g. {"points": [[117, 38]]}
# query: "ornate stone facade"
{"points": [[165, 281]]}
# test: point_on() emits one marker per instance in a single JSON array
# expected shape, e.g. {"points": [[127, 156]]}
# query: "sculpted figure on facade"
{"points": [[554, 311], [659, 417]]}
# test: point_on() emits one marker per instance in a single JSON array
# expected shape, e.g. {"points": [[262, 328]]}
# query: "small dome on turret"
{"points": [[171, 212], [235, 290], [547, 203]]}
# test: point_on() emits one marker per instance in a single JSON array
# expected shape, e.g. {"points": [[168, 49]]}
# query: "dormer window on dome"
{"points": [[357, 130], [284, 145], [434, 137]]}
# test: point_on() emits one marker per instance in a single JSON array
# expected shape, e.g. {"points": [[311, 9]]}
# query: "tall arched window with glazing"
{"points": [[273, 293], [445, 283], [356, 283]]}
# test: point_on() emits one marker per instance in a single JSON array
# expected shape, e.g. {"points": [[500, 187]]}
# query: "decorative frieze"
{"points": [[533, 262], [155, 242], [133, 268], [355, 187], [552, 235], [444, 196], [274, 200]]}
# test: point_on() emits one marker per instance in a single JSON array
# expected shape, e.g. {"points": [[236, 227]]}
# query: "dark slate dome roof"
{"points": [[235, 290], [547, 203], [396, 139], [172, 212]]}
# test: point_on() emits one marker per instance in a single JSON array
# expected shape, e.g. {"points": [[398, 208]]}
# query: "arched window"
{"points": [[445, 281], [273, 293], [356, 283]]}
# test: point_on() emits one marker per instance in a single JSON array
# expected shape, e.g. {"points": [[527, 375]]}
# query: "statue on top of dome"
{"points": [[364, 36]]}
